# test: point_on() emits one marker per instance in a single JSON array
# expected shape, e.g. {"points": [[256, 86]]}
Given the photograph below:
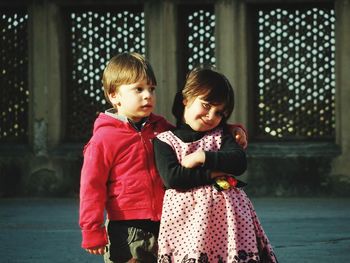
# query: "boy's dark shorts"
{"points": [[129, 241]]}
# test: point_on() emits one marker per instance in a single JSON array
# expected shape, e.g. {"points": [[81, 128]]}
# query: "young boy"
{"points": [[119, 173]]}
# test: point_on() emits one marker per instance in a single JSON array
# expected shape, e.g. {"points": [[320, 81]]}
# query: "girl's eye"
{"points": [[206, 106], [220, 114], [152, 89], [139, 89]]}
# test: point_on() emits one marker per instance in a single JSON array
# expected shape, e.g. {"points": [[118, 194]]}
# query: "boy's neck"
{"points": [[137, 125]]}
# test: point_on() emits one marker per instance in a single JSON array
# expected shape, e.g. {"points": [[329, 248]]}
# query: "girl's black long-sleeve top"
{"points": [[230, 158]]}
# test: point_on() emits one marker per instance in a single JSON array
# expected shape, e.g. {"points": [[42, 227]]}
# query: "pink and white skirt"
{"points": [[205, 225]]}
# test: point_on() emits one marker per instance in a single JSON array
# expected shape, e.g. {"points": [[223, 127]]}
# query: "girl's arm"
{"points": [[173, 174], [229, 159]]}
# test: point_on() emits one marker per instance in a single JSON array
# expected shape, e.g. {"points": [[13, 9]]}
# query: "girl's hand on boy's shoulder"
{"points": [[193, 159], [240, 136], [96, 250]]}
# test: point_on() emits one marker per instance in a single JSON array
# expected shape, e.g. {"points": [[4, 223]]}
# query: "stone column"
{"points": [[231, 52], [56, 41], [46, 52], [161, 48], [42, 175], [341, 165], [45, 75], [38, 52]]}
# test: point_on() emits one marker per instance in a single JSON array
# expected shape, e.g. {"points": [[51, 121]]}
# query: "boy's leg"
{"points": [[106, 255], [144, 246], [130, 244]]}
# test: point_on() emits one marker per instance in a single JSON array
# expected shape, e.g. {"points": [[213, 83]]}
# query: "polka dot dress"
{"points": [[204, 225]]}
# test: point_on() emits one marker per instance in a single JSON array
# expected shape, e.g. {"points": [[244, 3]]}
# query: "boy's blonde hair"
{"points": [[126, 68]]}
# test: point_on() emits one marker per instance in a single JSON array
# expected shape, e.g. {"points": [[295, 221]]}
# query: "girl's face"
{"points": [[200, 115]]}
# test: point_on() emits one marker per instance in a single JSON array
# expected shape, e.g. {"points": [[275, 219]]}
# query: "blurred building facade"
{"points": [[288, 61]]}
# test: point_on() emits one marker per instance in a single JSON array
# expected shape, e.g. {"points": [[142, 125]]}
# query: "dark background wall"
{"points": [[287, 60]]}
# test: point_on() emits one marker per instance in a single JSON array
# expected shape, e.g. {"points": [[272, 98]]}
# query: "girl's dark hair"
{"points": [[213, 86], [178, 107]]}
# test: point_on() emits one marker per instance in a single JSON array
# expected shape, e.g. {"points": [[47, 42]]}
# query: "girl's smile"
{"points": [[200, 115]]}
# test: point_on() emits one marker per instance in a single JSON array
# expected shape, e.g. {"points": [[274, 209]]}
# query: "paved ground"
{"points": [[301, 230]]}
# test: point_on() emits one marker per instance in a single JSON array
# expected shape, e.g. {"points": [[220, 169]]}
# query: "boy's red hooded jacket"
{"points": [[119, 175]]}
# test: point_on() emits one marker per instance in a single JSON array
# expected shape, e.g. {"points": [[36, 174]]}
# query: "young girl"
{"points": [[205, 217]]}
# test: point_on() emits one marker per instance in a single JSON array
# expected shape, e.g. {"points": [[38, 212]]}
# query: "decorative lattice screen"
{"points": [[14, 90], [200, 39], [96, 36], [295, 92]]}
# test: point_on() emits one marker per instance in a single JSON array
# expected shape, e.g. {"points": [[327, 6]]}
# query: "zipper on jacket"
{"points": [[149, 171], [148, 164]]}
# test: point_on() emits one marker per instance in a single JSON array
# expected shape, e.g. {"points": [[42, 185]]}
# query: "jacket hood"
{"points": [[106, 120]]}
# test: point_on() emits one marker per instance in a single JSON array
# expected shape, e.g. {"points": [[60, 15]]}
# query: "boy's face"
{"points": [[134, 101]]}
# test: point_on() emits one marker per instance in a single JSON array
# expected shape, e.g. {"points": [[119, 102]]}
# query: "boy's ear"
{"points": [[114, 98], [184, 102]]}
